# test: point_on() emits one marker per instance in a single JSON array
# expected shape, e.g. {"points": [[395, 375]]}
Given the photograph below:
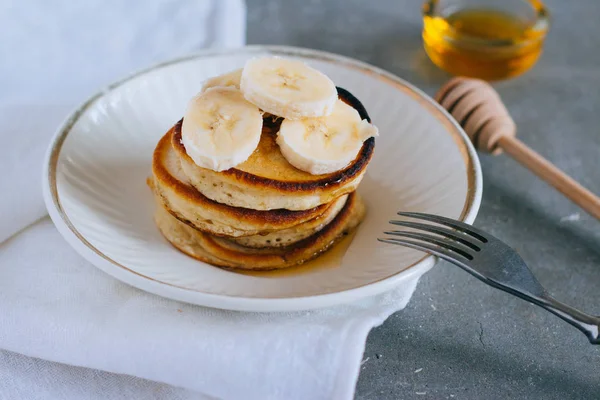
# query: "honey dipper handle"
{"points": [[554, 176]]}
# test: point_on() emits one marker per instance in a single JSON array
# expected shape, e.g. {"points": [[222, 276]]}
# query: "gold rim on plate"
{"points": [[467, 151]]}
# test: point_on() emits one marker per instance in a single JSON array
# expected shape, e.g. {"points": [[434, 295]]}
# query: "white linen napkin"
{"points": [[58, 308]]}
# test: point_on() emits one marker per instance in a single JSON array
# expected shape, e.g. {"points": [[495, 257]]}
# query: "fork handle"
{"points": [[586, 323]]}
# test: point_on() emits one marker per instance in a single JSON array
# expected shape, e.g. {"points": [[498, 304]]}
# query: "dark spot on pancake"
{"points": [[349, 99]]}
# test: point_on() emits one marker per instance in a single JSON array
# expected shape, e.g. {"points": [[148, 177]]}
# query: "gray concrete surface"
{"points": [[458, 338]]}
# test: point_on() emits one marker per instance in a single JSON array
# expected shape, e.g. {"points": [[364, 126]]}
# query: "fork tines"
{"points": [[460, 242]]}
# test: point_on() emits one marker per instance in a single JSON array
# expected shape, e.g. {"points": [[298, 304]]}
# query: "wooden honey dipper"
{"points": [[479, 110]]}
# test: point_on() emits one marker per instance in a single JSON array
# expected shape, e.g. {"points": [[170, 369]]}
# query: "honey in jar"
{"points": [[487, 39]]}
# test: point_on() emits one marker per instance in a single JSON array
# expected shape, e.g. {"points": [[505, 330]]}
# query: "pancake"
{"points": [[266, 181], [285, 237], [192, 207], [277, 238], [224, 253]]}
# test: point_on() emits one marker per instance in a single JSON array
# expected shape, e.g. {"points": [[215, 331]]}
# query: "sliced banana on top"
{"points": [[220, 128], [326, 144], [231, 78], [287, 88]]}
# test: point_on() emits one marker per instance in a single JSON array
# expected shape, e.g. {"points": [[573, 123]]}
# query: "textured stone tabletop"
{"points": [[458, 338]]}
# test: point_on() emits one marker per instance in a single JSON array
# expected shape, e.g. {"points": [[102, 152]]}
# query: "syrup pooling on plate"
{"points": [[331, 259]]}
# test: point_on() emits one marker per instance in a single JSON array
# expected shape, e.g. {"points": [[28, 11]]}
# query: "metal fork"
{"points": [[488, 259]]}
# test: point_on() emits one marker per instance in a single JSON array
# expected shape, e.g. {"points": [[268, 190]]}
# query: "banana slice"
{"points": [[220, 128], [287, 88], [229, 79], [327, 144]]}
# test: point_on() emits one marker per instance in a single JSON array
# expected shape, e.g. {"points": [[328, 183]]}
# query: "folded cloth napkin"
{"points": [[69, 331]]}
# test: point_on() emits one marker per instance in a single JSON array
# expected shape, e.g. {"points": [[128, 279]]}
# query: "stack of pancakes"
{"points": [[260, 215]]}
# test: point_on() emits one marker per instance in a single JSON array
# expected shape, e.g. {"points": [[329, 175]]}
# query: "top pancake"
{"points": [[267, 181]]}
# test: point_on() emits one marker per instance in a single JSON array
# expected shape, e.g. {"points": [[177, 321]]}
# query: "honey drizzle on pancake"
{"points": [[330, 259]]}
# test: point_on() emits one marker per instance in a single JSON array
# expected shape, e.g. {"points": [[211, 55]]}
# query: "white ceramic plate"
{"points": [[98, 162]]}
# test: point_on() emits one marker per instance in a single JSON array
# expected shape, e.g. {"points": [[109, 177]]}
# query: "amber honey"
{"points": [[485, 43], [331, 259]]}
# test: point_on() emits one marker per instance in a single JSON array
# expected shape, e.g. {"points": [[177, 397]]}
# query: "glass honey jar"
{"points": [[486, 39]]}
